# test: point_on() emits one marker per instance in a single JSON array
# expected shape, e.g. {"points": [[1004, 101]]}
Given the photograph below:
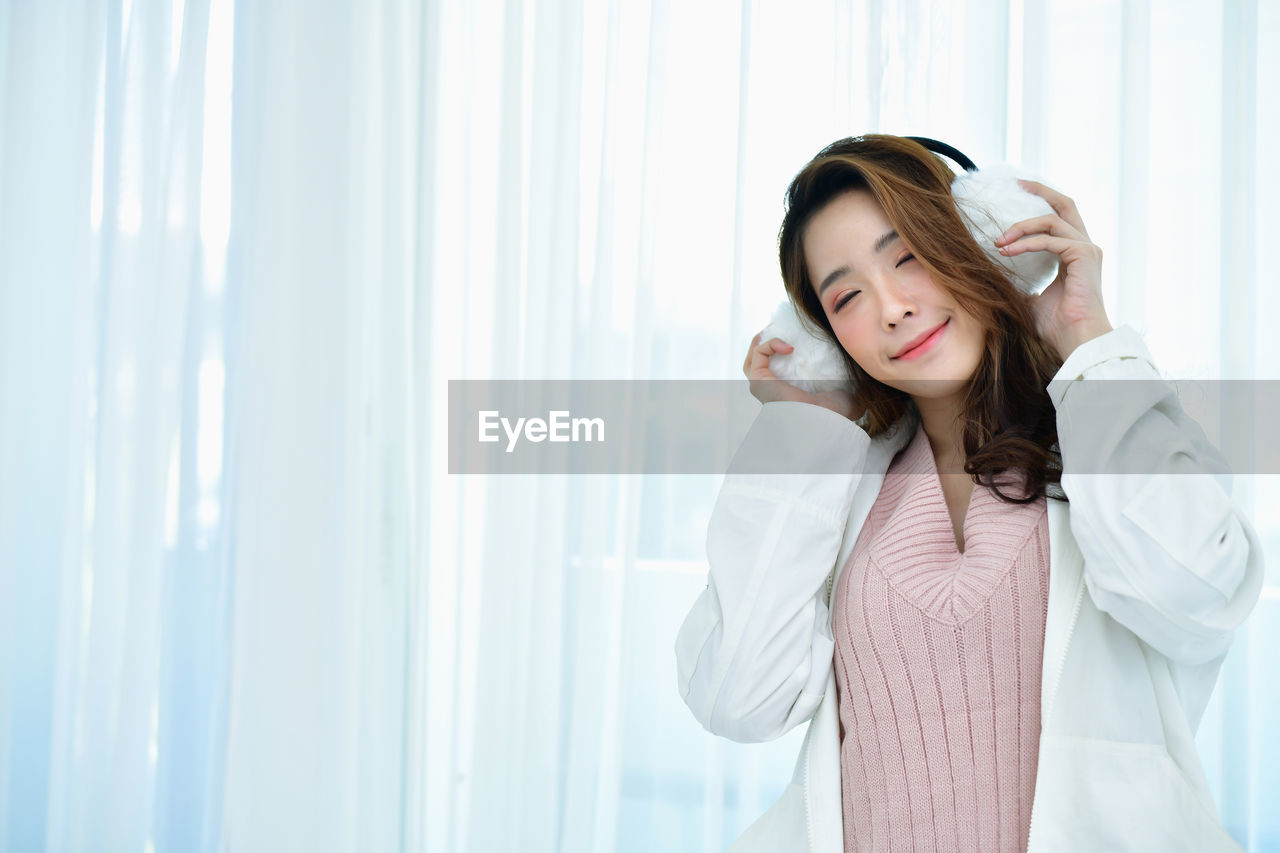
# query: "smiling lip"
{"points": [[922, 344]]}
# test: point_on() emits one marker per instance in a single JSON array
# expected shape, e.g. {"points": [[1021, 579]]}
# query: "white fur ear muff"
{"points": [[990, 200], [814, 364]]}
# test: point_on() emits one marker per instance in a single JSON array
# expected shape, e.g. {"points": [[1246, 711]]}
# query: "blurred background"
{"points": [[244, 247]]}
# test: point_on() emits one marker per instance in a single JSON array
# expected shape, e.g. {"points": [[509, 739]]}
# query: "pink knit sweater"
{"points": [[937, 665]]}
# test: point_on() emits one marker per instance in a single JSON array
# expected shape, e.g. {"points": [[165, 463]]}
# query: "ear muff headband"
{"points": [[947, 151], [990, 200]]}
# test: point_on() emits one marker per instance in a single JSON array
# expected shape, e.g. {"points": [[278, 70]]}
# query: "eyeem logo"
{"points": [[560, 427]]}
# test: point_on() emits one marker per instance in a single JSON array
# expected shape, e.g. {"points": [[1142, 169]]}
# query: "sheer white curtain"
{"points": [[209, 476], [102, 647], [244, 247]]}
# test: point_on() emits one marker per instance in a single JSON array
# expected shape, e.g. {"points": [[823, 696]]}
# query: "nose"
{"points": [[895, 305]]}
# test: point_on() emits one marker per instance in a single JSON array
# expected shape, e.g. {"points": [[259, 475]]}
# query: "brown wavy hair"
{"points": [[1009, 422]]}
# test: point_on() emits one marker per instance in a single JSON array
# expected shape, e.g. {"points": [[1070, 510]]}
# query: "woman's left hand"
{"points": [[1070, 310]]}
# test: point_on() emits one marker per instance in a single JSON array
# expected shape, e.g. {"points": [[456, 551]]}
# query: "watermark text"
{"points": [[558, 427]]}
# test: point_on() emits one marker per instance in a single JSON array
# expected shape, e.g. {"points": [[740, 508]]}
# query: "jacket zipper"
{"points": [[1057, 681]]}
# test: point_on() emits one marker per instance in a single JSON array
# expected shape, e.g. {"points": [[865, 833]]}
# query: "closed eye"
{"points": [[845, 300]]}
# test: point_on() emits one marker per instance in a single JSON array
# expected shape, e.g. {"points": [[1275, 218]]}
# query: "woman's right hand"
{"points": [[768, 388]]}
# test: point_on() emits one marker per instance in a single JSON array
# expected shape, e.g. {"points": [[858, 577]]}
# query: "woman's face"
{"points": [[897, 324]]}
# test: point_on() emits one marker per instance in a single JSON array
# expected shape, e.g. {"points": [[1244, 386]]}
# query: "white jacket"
{"points": [[1149, 575]]}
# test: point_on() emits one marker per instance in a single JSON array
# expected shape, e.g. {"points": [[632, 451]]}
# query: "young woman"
{"points": [[998, 641]]}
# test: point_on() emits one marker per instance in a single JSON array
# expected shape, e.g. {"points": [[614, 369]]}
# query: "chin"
{"points": [[946, 384], [933, 389]]}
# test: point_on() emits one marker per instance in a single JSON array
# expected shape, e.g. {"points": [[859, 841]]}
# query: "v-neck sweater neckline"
{"points": [[913, 538]]}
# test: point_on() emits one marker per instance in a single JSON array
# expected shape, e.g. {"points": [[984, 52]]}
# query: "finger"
{"points": [[760, 355], [1062, 204], [1050, 223], [1069, 250], [772, 346]]}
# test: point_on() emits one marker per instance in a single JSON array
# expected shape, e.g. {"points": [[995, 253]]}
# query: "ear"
{"points": [[990, 200], [813, 360]]}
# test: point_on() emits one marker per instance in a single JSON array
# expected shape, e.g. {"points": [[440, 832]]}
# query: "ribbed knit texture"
{"points": [[937, 663]]}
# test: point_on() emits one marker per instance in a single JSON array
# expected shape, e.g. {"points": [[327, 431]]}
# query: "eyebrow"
{"points": [[840, 272]]}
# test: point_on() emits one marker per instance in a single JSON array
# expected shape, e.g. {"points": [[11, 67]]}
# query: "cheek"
{"points": [[974, 349], [977, 336], [854, 338], [842, 336]]}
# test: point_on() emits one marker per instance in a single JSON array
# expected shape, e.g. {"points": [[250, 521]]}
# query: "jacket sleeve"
{"points": [[1167, 553], [754, 653]]}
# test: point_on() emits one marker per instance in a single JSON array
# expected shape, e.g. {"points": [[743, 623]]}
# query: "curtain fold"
{"points": [[44, 243], [320, 295]]}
